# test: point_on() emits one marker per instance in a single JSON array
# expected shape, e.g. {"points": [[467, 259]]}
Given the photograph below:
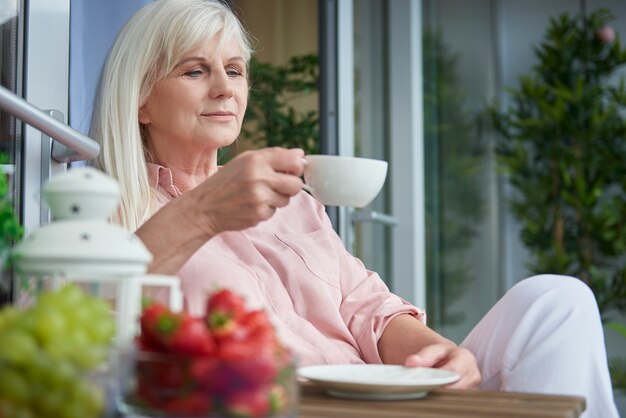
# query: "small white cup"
{"points": [[344, 181]]}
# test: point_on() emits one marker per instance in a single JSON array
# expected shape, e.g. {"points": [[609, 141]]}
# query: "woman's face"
{"points": [[201, 103]]}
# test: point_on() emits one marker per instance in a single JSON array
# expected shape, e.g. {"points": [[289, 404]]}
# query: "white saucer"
{"points": [[377, 381]]}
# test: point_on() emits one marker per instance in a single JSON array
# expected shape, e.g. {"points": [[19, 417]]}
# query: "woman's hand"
{"points": [[247, 190], [408, 341], [241, 194], [450, 357]]}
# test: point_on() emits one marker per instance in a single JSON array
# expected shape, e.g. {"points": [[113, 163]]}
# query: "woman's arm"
{"points": [[172, 236], [243, 193], [408, 341]]}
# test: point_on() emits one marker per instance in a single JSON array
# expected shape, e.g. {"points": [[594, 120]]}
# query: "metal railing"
{"points": [[84, 147]]}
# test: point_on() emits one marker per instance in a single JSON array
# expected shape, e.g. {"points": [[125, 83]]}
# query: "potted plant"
{"points": [[562, 145], [272, 117]]}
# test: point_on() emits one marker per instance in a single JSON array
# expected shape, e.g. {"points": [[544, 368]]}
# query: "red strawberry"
{"points": [[224, 308], [168, 374], [191, 337], [154, 321], [251, 362], [204, 370], [177, 333], [256, 320], [260, 370], [232, 349], [252, 325], [148, 392], [192, 404]]}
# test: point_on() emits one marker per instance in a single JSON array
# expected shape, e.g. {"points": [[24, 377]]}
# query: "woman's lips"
{"points": [[225, 116]]}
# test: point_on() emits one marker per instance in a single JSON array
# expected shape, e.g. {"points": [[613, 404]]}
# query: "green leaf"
{"points": [[617, 327], [562, 145]]}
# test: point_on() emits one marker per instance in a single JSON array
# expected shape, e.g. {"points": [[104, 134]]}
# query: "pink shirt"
{"points": [[326, 307]]}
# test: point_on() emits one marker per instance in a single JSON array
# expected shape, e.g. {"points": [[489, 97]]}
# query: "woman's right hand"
{"points": [[247, 190]]}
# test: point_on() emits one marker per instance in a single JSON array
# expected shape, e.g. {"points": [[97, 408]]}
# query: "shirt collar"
{"points": [[161, 178]]}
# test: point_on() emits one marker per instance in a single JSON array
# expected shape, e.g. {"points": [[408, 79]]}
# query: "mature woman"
{"points": [[174, 90]]}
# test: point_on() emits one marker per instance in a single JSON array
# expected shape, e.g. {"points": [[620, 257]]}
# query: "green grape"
{"points": [[46, 352], [24, 413], [58, 373], [74, 408], [89, 357], [24, 322], [50, 402], [18, 347], [89, 395], [9, 410], [59, 348], [6, 408], [49, 324], [101, 308], [8, 316], [13, 387], [68, 297], [102, 330]]}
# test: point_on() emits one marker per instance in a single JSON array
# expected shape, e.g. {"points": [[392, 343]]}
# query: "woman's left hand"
{"points": [[408, 341], [450, 357]]}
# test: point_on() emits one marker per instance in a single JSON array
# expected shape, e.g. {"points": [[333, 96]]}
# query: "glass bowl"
{"points": [[167, 385]]}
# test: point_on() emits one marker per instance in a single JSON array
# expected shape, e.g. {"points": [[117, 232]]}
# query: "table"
{"points": [[442, 403]]}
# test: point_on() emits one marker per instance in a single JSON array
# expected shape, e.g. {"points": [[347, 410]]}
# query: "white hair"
{"points": [[146, 50]]}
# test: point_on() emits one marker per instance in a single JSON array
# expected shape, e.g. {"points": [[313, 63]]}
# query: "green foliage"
{"points": [[271, 118], [563, 146], [454, 163], [617, 327], [617, 365], [10, 228], [617, 368]]}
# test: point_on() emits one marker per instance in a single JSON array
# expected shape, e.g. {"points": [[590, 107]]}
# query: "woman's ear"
{"points": [[144, 117]]}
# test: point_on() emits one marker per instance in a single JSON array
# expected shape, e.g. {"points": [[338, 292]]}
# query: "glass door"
{"points": [[379, 116], [45, 87], [46, 75]]}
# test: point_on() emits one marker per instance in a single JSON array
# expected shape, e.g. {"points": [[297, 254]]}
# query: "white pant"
{"points": [[545, 336]]}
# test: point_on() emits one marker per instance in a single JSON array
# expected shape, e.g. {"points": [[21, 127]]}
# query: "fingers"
{"points": [[248, 189], [449, 357], [430, 356], [464, 363], [470, 380], [286, 160], [279, 168]]}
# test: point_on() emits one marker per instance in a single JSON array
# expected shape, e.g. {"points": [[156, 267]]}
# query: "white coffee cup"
{"points": [[344, 181]]}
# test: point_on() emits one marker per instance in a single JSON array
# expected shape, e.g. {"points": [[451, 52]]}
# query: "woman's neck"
{"points": [[188, 171]]}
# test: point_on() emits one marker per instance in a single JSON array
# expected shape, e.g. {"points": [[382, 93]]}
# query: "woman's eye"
{"points": [[194, 73], [233, 73]]}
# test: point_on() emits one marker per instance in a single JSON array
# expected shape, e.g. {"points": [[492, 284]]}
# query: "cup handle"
{"points": [[304, 185]]}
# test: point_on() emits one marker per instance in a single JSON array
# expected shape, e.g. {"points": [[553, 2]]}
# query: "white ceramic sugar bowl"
{"points": [[81, 246]]}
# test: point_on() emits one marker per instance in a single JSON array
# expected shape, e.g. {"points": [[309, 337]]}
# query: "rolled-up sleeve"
{"points": [[367, 304], [368, 307]]}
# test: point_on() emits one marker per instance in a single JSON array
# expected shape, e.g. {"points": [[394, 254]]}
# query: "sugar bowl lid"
{"points": [[81, 193], [80, 241]]}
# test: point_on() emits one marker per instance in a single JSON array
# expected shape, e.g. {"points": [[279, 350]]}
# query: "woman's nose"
{"points": [[220, 85]]}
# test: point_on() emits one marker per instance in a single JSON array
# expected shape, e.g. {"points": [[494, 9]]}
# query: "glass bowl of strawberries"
{"points": [[228, 363]]}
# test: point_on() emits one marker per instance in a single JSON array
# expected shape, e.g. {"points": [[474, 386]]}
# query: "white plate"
{"points": [[376, 381]]}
